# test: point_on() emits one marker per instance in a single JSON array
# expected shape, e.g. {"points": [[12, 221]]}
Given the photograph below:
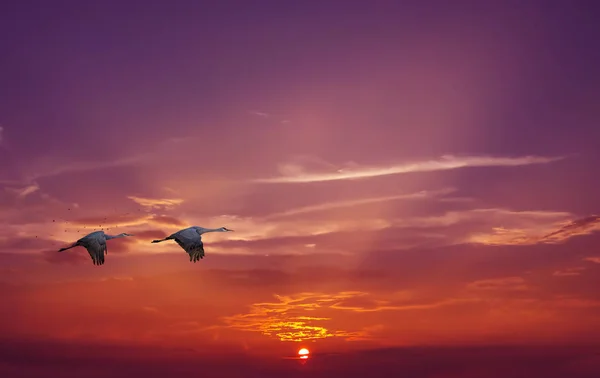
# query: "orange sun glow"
{"points": [[303, 352]]}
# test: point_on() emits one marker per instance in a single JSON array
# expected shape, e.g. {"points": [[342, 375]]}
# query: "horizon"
{"points": [[411, 186]]}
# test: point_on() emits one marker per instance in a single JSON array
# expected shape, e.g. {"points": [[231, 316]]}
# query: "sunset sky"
{"points": [[398, 174]]}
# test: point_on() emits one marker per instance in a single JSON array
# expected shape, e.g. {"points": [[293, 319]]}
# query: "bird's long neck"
{"points": [[205, 230], [108, 237]]}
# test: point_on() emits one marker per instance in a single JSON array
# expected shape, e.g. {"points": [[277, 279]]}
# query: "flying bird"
{"points": [[95, 243], [190, 239]]}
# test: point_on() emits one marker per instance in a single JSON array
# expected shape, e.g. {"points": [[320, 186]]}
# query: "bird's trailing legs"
{"points": [[69, 247], [162, 240]]}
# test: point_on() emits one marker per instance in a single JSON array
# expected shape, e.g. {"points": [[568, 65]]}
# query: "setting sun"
{"points": [[303, 352]]}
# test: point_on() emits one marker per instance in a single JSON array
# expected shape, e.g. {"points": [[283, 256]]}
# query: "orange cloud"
{"points": [[123, 220], [538, 227], [291, 318], [326, 304], [292, 231], [156, 203], [166, 220], [385, 305], [577, 227], [504, 283], [504, 236], [301, 317]]}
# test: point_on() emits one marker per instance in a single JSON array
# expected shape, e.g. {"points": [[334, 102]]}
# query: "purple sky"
{"points": [[398, 173]]}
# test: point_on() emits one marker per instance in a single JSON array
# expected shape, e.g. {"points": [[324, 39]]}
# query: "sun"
{"points": [[303, 352]]}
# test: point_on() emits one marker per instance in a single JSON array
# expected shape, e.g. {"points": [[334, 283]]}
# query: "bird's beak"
{"points": [[229, 230]]}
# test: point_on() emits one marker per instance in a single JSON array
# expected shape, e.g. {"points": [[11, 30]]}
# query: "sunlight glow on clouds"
{"points": [[292, 231], [307, 316], [294, 318], [534, 231], [156, 203]]}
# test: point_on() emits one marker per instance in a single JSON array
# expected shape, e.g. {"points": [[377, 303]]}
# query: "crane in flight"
{"points": [[95, 243], [190, 239]]}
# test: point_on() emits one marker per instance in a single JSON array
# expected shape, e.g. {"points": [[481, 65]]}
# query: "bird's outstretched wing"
{"points": [[195, 250], [191, 242], [96, 248]]}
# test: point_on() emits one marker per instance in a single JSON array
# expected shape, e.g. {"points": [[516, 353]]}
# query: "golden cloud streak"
{"points": [[296, 317], [155, 203], [534, 232], [287, 321]]}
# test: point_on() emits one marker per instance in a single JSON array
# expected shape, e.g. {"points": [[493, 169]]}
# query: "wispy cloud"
{"points": [[594, 259], [384, 305], [573, 228], [156, 203], [504, 236], [299, 175], [24, 191], [480, 226], [538, 227], [260, 114], [539, 221], [49, 167], [84, 166], [503, 283], [1, 134], [365, 201], [568, 272]]}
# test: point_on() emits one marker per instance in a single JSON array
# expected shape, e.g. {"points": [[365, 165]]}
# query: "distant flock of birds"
{"points": [[190, 239]]}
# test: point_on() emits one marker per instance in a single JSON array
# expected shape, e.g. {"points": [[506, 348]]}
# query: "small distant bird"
{"points": [[190, 239], [95, 243]]}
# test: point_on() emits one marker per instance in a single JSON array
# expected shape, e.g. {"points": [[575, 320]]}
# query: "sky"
{"points": [[412, 186]]}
